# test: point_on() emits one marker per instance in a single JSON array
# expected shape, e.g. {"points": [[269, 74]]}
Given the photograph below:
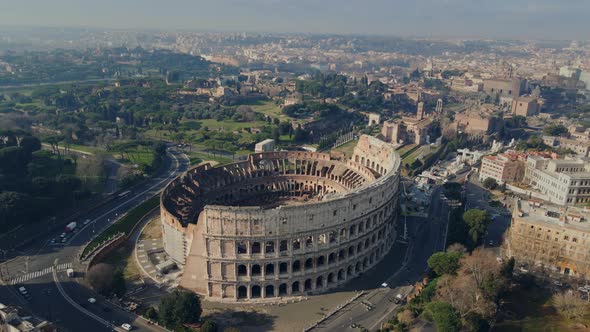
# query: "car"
{"points": [[384, 284], [22, 290], [52, 241], [92, 300], [127, 327], [558, 283], [62, 235], [86, 222], [63, 240]]}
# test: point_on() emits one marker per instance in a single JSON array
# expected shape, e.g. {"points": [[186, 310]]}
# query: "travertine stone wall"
{"points": [[322, 223]]}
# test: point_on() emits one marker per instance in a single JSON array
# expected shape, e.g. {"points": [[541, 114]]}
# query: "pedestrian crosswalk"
{"points": [[37, 274]]}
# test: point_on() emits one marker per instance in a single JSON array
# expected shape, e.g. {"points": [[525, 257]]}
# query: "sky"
{"points": [[531, 19]]}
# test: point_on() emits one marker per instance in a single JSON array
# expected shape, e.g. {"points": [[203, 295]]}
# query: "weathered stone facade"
{"points": [[282, 223]]}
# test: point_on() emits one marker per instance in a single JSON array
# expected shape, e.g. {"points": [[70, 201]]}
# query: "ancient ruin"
{"points": [[282, 224]]}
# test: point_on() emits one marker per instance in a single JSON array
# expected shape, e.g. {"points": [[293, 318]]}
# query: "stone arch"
{"points": [[269, 247], [242, 270], [359, 248], [256, 249], [341, 254], [296, 244], [309, 263], [241, 247], [352, 230], [242, 292], [296, 266], [350, 251], [255, 293], [307, 285], [331, 278], [365, 263], [319, 282], [358, 268], [283, 267], [269, 291], [367, 243], [350, 270], [269, 269], [295, 287], [341, 275], [332, 258], [320, 261], [256, 270], [282, 289]]}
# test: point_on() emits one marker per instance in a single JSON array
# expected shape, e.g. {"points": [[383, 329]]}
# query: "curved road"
{"points": [[36, 267]]}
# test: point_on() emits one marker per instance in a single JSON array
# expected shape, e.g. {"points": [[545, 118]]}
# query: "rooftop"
{"points": [[552, 215]]}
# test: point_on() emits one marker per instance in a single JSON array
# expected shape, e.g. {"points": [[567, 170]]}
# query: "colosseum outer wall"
{"points": [[254, 252]]}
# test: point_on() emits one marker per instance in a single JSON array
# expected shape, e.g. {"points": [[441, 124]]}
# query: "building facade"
{"points": [[552, 237], [506, 167], [564, 182]]}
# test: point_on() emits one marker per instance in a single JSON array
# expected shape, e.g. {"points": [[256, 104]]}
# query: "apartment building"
{"points": [[505, 167], [549, 236]]}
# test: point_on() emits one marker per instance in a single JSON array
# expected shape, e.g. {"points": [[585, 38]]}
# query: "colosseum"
{"points": [[282, 224]]}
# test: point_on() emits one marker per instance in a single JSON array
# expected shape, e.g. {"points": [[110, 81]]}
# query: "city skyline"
{"points": [[540, 19]]}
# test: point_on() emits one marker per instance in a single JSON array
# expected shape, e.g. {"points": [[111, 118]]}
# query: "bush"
{"points": [[178, 308], [208, 326], [490, 183], [444, 316]]}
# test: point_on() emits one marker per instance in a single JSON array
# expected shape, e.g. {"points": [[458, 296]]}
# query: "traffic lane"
{"points": [[104, 217], [46, 302]]}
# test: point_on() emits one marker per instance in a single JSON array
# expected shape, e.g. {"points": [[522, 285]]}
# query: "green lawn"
{"points": [[271, 109], [347, 148]]}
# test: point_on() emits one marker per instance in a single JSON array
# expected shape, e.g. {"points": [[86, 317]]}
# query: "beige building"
{"points": [[509, 87], [525, 106], [505, 167], [408, 130], [556, 238], [282, 224], [477, 122]]}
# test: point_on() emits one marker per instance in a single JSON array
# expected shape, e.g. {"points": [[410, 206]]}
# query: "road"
{"points": [[477, 198], [426, 236], [32, 268]]}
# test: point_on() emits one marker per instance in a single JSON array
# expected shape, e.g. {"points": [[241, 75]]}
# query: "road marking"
{"points": [[40, 273]]}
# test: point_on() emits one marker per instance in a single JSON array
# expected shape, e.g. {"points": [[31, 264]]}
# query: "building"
{"points": [[268, 145], [13, 320], [562, 182], [578, 143], [282, 224], [408, 130], [525, 106], [477, 122], [551, 237], [439, 106], [508, 87], [374, 119], [505, 167]]}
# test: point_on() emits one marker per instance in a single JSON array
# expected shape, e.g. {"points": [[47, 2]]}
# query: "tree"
{"points": [[554, 130], [508, 268], [151, 313], [457, 247], [444, 262], [569, 305], [118, 286], [100, 278], [490, 183], [208, 326], [178, 308], [444, 316], [477, 221]]}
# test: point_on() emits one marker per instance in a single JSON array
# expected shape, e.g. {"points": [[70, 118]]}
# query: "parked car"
{"points": [[127, 327], [92, 300]]}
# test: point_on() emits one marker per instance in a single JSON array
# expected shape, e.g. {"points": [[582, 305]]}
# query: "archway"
{"points": [[242, 292], [255, 292]]}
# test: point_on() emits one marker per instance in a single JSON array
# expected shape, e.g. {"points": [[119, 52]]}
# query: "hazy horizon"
{"points": [[503, 19]]}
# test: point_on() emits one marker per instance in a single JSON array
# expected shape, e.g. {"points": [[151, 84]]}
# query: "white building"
{"points": [[268, 145], [564, 182]]}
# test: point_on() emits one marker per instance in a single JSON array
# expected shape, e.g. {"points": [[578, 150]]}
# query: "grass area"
{"points": [[124, 225], [122, 258], [153, 229], [407, 149], [85, 148], [411, 155], [271, 109], [347, 148], [139, 155]]}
